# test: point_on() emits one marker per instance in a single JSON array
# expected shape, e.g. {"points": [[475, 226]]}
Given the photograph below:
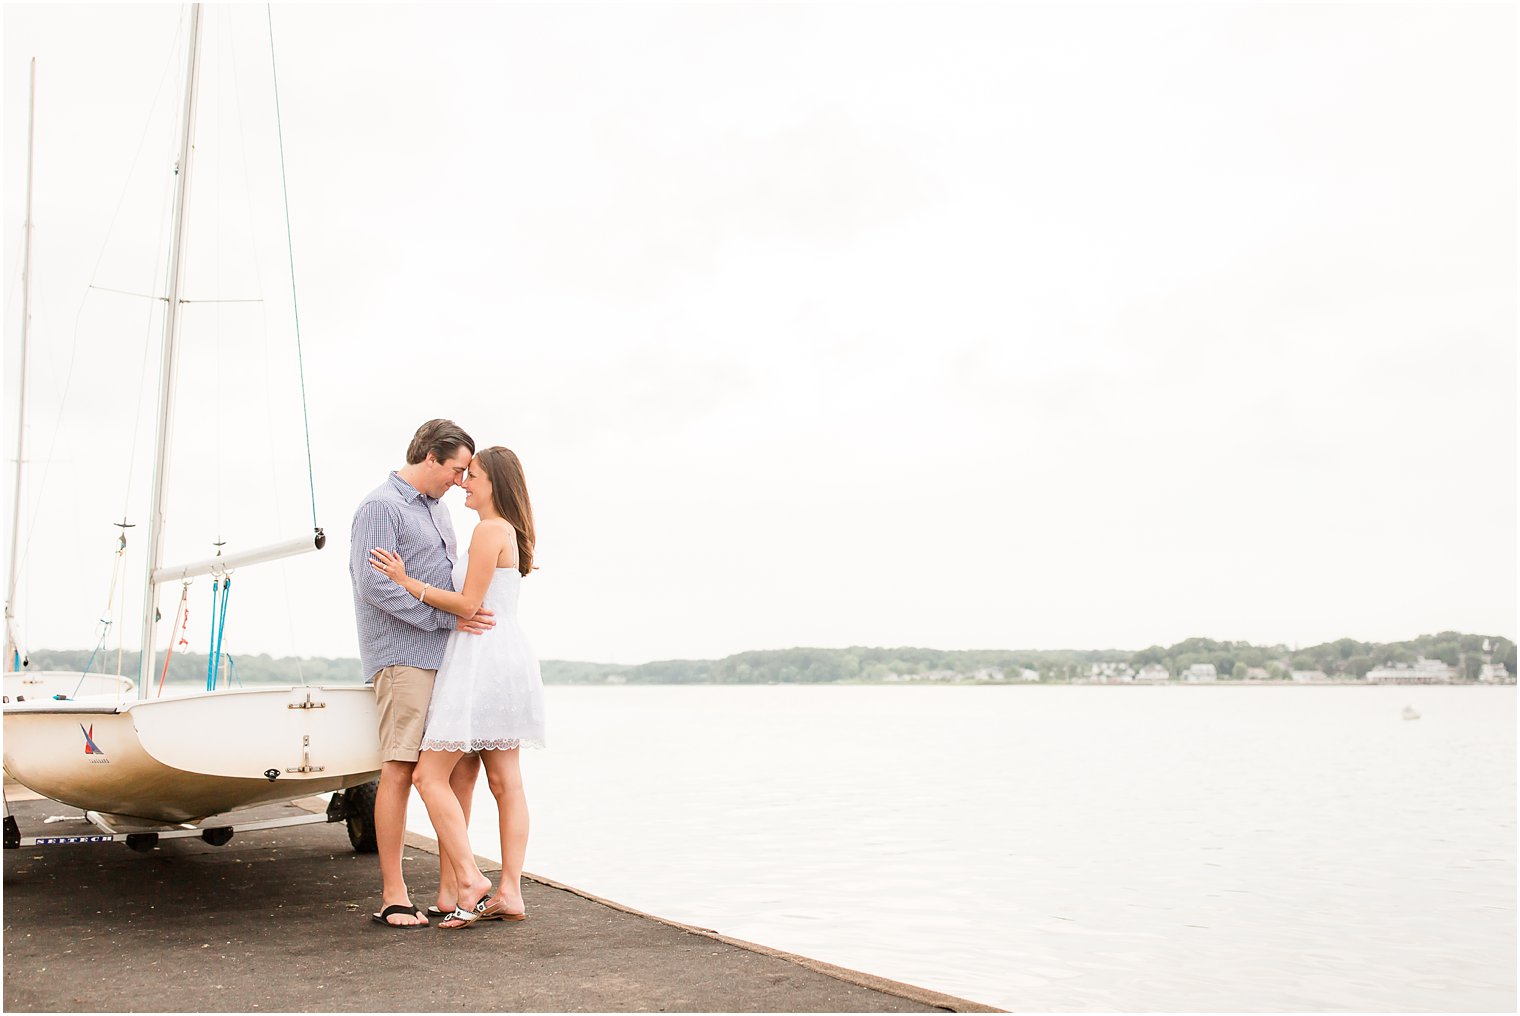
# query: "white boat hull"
{"points": [[186, 757], [42, 685]]}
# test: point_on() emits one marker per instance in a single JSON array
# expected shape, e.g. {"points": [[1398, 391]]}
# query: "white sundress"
{"points": [[488, 693]]}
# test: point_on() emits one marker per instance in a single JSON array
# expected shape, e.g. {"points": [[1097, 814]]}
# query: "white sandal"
{"points": [[469, 917]]}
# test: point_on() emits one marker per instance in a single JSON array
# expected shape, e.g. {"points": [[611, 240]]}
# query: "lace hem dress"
{"points": [[489, 695]]}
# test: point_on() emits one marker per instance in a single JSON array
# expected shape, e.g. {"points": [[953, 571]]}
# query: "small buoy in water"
{"points": [[1410, 714]]}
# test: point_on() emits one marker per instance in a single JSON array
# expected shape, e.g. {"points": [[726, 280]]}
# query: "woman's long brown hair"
{"points": [[509, 493]]}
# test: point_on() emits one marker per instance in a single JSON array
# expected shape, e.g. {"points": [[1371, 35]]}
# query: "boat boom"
{"points": [[258, 555]]}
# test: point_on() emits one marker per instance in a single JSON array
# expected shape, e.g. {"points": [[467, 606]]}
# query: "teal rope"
{"points": [[291, 250], [216, 585], [105, 628], [221, 628]]}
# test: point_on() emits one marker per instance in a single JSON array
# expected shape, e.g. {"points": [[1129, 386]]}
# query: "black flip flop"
{"points": [[397, 908]]}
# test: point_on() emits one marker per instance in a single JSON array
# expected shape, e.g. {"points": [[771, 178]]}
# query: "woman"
{"points": [[488, 696]]}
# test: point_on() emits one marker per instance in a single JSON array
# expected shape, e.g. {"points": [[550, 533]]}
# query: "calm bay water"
{"points": [[1058, 848]]}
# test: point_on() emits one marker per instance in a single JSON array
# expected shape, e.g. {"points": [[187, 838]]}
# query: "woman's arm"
{"points": [[485, 546], [376, 525]]}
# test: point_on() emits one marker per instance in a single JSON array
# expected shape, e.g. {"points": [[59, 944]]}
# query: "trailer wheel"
{"points": [[143, 843], [217, 837], [359, 802]]}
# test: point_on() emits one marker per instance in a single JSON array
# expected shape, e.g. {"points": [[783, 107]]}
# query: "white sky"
{"points": [[975, 326]]}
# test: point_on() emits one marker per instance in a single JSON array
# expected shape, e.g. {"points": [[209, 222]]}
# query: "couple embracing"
{"points": [[457, 688]]}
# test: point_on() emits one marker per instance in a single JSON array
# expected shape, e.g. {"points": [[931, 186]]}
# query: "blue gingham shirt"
{"points": [[394, 629]]}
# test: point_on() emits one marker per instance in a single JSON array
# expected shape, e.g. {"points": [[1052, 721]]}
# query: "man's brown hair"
{"points": [[443, 438]]}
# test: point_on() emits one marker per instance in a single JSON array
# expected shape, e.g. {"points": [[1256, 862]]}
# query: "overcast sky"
{"points": [[965, 327]]}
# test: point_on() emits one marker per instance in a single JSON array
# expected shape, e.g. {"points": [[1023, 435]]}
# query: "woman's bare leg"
{"points": [[431, 777], [462, 782], [505, 778]]}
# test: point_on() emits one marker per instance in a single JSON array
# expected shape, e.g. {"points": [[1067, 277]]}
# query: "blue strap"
{"points": [[221, 628], [216, 585]]}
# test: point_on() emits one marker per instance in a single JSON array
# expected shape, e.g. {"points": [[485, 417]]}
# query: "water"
{"points": [[1058, 848]]}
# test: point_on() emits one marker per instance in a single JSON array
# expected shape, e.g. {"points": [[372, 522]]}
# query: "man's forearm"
{"points": [[385, 595]]}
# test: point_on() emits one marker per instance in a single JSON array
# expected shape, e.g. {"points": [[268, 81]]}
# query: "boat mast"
{"points": [[12, 651], [158, 504]]}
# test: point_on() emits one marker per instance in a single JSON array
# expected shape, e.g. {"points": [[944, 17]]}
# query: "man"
{"points": [[401, 640]]}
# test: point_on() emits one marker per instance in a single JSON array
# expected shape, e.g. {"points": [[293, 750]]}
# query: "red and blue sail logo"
{"points": [[90, 747]]}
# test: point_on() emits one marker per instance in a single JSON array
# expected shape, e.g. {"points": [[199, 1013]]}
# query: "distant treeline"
{"points": [[189, 669], [1344, 658]]}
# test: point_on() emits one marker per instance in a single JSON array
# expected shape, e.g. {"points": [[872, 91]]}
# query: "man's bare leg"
{"points": [[390, 836], [462, 781]]}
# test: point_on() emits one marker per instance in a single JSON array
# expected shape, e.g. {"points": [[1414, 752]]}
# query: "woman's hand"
{"points": [[388, 564]]}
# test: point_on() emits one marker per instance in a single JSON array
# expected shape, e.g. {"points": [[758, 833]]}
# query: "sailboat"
{"points": [[176, 765]]}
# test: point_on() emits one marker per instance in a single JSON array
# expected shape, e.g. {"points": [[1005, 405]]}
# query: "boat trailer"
{"points": [[354, 806]]}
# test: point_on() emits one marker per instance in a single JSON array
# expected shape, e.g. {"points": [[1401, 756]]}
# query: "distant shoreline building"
{"points": [[982, 674], [1200, 672], [1110, 672], [1308, 676], [1421, 671], [1495, 673], [1152, 672]]}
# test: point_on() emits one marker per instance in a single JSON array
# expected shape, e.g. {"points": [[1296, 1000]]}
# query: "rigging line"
{"points": [[125, 292], [184, 628], [290, 247], [142, 385], [121, 632], [237, 105], [160, 276], [47, 462], [25, 553], [258, 278], [106, 618], [216, 584], [221, 629], [10, 633], [141, 144], [91, 661], [165, 299]]}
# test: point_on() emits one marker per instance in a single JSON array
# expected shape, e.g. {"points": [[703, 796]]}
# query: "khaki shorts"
{"points": [[402, 695]]}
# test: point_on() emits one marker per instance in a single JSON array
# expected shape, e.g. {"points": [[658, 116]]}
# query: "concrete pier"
{"points": [[278, 920]]}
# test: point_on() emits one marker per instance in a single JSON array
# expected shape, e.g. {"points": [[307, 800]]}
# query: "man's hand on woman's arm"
{"points": [[483, 621]]}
